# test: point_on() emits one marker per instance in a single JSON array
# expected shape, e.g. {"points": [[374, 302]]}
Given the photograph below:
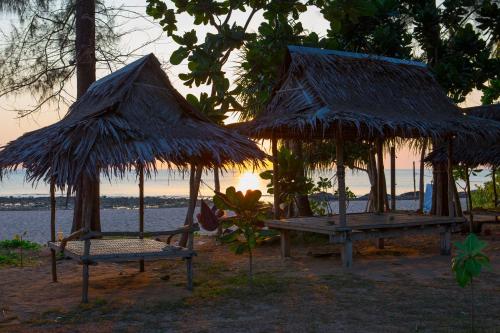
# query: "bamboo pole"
{"points": [[274, 143], [380, 176], [339, 145], [53, 228], [451, 197], [141, 211], [393, 178]]}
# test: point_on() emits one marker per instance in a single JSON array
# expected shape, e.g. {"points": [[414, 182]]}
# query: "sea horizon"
{"points": [[167, 183]]}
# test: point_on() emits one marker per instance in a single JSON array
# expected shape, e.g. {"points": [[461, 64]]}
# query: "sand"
{"points": [[36, 224]]}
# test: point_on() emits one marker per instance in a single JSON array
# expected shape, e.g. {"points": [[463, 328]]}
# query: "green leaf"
{"points": [[179, 55]]}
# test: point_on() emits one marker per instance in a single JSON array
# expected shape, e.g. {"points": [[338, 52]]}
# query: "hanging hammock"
{"points": [[207, 217]]}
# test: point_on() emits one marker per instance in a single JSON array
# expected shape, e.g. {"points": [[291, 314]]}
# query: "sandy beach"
{"points": [[36, 222]]}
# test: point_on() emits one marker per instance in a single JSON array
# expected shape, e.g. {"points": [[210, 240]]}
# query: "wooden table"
{"points": [[366, 226]]}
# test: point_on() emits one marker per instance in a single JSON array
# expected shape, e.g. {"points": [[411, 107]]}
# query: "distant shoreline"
{"points": [[29, 203]]}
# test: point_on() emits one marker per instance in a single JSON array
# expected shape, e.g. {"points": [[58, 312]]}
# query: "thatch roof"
{"points": [[130, 117], [470, 153], [367, 96]]}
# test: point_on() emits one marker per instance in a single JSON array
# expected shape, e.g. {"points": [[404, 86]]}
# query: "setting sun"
{"points": [[248, 181]]}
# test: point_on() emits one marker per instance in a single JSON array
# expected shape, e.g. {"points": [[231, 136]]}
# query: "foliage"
{"points": [[469, 260], [462, 173], [291, 180], [459, 40], [38, 53], [17, 243], [483, 196], [247, 224], [320, 203], [12, 251], [468, 263]]}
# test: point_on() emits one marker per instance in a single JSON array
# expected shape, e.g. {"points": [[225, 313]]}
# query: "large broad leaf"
{"points": [[469, 260], [179, 55]]}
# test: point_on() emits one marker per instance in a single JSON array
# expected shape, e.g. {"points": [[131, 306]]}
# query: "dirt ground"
{"points": [[406, 287]]}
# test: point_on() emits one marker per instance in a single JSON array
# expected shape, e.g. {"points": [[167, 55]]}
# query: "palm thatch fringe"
{"points": [[131, 117], [366, 96], [473, 154]]}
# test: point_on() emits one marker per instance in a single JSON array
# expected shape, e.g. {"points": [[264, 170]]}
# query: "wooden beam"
{"points": [[276, 187], [380, 175], [141, 210], [393, 178], [53, 227], [339, 149], [451, 182]]}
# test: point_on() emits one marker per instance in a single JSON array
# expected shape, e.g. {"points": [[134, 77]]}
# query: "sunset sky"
{"points": [[145, 29]]}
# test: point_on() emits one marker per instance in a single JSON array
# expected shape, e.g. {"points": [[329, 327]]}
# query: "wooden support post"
{"points": [[346, 252], [141, 210], [421, 190], [189, 268], [380, 175], [85, 271], [494, 180], [446, 242], [339, 149], [393, 178], [285, 243], [469, 199], [451, 182], [380, 184], [53, 227], [380, 243], [275, 178], [414, 182]]}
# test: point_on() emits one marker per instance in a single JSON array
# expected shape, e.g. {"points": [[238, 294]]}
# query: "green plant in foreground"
{"points": [[468, 263], [247, 223]]}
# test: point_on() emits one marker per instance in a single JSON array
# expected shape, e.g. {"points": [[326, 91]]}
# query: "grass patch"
{"points": [[237, 286], [95, 309], [17, 243], [17, 252]]}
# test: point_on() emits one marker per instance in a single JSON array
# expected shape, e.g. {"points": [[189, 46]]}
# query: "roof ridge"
{"points": [[318, 51]]}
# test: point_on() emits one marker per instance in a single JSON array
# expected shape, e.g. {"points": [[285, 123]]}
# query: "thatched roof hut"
{"points": [[131, 117], [367, 96], [473, 153]]}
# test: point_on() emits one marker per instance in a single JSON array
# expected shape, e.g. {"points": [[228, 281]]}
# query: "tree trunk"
{"points": [[302, 200], [87, 191], [372, 176], [194, 186]]}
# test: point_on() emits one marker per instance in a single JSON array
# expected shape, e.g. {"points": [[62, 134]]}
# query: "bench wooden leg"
{"points": [[85, 283], [346, 254], [380, 243], [54, 267], [141, 266], [446, 242], [285, 243], [189, 267]]}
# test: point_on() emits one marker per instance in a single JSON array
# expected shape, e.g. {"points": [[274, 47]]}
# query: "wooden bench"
{"points": [[93, 247], [362, 226]]}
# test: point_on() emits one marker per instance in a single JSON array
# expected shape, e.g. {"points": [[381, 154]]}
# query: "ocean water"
{"points": [[175, 184]]}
